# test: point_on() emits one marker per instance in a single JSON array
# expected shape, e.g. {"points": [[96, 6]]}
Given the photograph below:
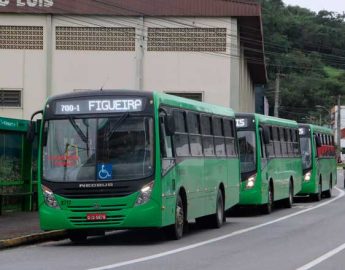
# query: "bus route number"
{"points": [[70, 108], [241, 123]]}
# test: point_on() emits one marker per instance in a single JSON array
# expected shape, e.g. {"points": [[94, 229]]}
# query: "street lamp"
{"points": [[328, 112]]}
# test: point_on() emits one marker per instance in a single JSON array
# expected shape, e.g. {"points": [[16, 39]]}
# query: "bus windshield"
{"points": [[247, 146], [305, 145], [96, 149]]}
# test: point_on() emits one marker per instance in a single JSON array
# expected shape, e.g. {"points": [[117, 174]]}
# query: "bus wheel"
{"points": [[289, 201], [328, 193], [267, 208], [77, 237], [318, 196], [175, 231], [217, 219]]}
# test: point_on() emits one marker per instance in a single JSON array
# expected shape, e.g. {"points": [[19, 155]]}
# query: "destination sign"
{"points": [[99, 106], [241, 122]]}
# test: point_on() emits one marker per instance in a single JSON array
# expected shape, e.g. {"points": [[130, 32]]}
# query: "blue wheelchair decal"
{"points": [[104, 171]]}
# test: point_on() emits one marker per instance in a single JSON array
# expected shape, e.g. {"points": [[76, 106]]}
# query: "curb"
{"points": [[33, 238]]}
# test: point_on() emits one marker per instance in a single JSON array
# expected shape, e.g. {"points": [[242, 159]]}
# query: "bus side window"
{"points": [[317, 144], [229, 134], [193, 124], [207, 135], [276, 139], [180, 138]]}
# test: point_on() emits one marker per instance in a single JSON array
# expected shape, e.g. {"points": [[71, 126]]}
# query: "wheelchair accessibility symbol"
{"points": [[104, 171]]}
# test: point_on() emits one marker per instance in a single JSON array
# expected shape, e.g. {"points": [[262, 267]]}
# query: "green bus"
{"points": [[271, 167], [120, 159], [318, 161]]}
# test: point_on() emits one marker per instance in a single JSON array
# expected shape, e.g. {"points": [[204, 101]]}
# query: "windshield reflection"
{"points": [[247, 146], [305, 144]]}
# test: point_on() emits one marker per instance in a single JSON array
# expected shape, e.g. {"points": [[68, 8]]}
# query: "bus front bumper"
{"points": [[147, 215]]}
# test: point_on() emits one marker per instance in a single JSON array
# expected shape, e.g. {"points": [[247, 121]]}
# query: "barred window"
{"points": [[187, 39], [21, 37], [10, 98], [95, 38]]}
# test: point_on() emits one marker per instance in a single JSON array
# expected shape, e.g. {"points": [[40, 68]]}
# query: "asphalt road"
{"points": [[307, 236]]}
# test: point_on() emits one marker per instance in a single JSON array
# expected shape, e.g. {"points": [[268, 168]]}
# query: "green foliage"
{"points": [[9, 169], [308, 50]]}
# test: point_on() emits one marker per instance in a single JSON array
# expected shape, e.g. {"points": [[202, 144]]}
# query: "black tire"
{"points": [[217, 219], [328, 193], [175, 231], [318, 196], [77, 237], [289, 201], [266, 209]]}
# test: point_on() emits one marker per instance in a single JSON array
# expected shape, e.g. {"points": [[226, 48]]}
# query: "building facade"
{"points": [[209, 50]]}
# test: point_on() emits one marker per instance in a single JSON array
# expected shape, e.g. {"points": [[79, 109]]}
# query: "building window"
{"points": [[187, 39], [193, 96], [21, 37], [10, 98], [95, 38]]}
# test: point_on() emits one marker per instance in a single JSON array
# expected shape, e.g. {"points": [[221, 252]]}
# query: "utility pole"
{"points": [[338, 124], [276, 97]]}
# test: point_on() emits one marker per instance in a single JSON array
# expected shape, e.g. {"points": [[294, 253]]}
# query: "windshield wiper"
{"points": [[78, 130], [117, 125]]}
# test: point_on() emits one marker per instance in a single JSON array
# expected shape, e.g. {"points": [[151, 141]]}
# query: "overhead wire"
{"points": [[249, 41]]}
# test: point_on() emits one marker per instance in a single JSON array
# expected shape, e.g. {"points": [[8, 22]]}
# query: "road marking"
{"points": [[203, 243], [322, 258]]}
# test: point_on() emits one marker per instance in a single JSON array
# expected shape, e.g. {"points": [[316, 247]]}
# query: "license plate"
{"points": [[96, 217]]}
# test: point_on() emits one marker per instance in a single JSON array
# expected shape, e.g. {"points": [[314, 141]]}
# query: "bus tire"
{"points": [[266, 209], [175, 231], [318, 196], [328, 193], [77, 237], [289, 201], [217, 219]]}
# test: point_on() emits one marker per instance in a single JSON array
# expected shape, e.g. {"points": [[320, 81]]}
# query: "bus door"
{"points": [[262, 161], [168, 173]]}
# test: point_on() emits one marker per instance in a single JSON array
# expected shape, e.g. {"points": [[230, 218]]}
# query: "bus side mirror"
{"points": [[169, 125], [31, 132], [317, 141], [266, 135]]}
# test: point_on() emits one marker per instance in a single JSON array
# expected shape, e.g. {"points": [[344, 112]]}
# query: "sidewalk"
{"points": [[23, 228]]}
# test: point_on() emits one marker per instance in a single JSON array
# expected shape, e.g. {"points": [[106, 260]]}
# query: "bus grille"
{"points": [[77, 193], [96, 208], [111, 220]]}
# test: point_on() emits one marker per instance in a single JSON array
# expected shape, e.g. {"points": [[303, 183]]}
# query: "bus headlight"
{"points": [[307, 176], [145, 194], [49, 198], [251, 182]]}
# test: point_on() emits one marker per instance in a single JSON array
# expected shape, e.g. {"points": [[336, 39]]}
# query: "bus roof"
{"points": [[270, 120], [190, 104], [315, 128]]}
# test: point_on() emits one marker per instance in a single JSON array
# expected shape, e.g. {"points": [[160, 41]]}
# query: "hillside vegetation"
{"points": [[307, 49]]}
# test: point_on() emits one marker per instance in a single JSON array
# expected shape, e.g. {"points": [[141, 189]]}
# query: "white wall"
{"points": [[24, 70], [203, 72], [223, 78]]}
